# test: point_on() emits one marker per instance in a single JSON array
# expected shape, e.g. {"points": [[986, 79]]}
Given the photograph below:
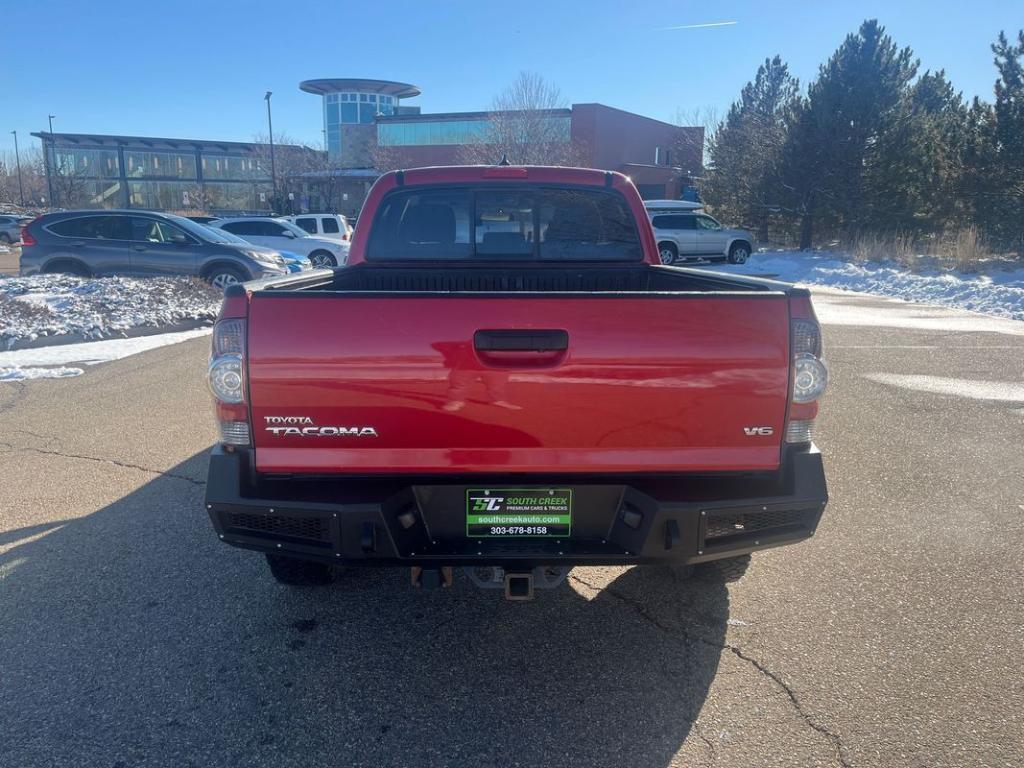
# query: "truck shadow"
{"points": [[132, 635]]}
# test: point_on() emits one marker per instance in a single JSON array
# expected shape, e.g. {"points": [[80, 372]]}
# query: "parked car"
{"points": [[699, 236], [330, 226], [671, 206], [140, 243], [515, 402], [10, 228], [279, 233], [293, 261], [202, 219]]}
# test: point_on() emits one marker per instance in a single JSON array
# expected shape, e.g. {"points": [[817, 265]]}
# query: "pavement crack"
{"points": [[794, 700], [831, 735], [707, 743], [115, 462]]}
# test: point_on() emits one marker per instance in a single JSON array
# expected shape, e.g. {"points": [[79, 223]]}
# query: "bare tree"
{"points": [[527, 124], [294, 164], [694, 141], [33, 178], [69, 182]]}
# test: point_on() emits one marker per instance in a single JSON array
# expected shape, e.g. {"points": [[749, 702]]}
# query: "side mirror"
{"points": [[179, 238], [288, 233]]}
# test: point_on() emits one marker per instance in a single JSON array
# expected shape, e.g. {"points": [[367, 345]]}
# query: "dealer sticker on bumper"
{"points": [[510, 512]]}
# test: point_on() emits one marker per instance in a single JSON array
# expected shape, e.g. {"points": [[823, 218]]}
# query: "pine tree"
{"points": [[918, 161], [854, 102], [746, 150], [1006, 214]]}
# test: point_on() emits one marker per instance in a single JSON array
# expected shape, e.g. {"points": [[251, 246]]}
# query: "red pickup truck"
{"points": [[505, 379]]}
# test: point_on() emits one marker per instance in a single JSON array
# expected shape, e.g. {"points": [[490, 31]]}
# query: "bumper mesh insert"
{"points": [[312, 528], [727, 523]]}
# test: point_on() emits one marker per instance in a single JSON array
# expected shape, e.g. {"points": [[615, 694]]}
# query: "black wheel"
{"points": [[67, 267], [322, 260], [302, 573], [668, 252], [222, 277], [731, 569], [5, 238], [739, 253]]}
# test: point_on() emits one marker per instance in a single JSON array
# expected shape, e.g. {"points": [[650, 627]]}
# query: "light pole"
{"points": [[270, 130], [17, 162], [46, 158]]}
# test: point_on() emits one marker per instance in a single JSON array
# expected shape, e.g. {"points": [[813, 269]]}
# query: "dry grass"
{"points": [[965, 250], [875, 247]]}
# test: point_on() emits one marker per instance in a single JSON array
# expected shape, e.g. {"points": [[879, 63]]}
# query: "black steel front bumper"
{"points": [[420, 521]]}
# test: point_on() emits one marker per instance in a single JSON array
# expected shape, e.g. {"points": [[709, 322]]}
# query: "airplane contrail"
{"points": [[701, 26]]}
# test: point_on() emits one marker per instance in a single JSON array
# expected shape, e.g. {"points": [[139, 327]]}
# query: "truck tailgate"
{"points": [[516, 383]]}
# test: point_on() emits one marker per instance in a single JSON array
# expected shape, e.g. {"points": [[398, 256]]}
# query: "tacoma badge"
{"points": [[303, 426]]}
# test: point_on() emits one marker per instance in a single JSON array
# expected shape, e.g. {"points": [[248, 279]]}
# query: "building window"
{"points": [[447, 132], [74, 192], [175, 165], [161, 195], [232, 167], [86, 163]]}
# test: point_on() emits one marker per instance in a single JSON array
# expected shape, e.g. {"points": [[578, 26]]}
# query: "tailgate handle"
{"points": [[521, 341]]}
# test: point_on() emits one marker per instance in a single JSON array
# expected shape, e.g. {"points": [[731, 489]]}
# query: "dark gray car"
{"points": [[140, 244]]}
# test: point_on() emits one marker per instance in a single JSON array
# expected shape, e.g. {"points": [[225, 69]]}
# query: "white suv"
{"points": [[698, 236], [282, 235], [330, 226]]}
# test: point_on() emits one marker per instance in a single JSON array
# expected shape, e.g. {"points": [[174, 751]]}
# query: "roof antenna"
{"points": [[504, 159]]}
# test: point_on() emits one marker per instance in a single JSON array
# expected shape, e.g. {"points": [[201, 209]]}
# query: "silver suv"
{"points": [[698, 236], [10, 228]]}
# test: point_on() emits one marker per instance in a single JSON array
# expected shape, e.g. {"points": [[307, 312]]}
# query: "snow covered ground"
{"points": [[58, 361], [999, 293], [59, 305]]}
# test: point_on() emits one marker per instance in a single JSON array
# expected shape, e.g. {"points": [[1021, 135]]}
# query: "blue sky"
{"points": [[200, 69]]}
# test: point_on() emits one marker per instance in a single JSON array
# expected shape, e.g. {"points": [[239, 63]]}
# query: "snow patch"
{"points": [[21, 374], [57, 305], [999, 293], [51, 362], [1003, 391], [837, 308]]}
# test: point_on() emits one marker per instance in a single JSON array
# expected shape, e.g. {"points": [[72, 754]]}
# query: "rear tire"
{"points": [[322, 260], [5, 238], [67, 267], [668, 253], [222, 277], [739, 253], [299, 573]]}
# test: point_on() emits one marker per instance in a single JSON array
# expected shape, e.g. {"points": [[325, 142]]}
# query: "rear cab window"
{"points": [[520, 223], [330, 225], [308, 223]]}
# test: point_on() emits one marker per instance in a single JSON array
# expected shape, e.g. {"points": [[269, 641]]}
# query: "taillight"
{"points": [[227, 381], [809, 374], [26, 237]]}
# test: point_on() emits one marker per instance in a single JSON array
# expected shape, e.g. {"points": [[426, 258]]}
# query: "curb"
{"points": [[77, 338]]}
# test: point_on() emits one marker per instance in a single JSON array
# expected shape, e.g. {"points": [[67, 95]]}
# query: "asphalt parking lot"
{"points": [[129, 636], [10, 260]]}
